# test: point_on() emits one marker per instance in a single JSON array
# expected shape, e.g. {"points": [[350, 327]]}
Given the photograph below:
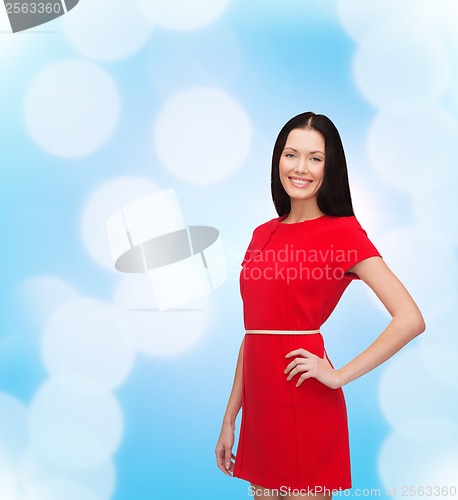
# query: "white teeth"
{"points": [[297, 181]]}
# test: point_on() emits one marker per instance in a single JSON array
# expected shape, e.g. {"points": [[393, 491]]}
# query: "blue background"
{"points": [[286, 57]]}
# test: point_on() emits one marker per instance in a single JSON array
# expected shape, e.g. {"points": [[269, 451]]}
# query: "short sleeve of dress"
{"points": [[247, 255], [354, 246]]}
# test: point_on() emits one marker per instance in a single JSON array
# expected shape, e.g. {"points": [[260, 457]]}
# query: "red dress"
{"points": [[292, 277]]}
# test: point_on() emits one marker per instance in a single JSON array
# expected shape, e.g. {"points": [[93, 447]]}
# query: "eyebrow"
{"points": [[311, 152]]}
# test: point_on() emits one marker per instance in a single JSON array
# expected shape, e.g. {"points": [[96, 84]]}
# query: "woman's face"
{"points": [[301, 166]]}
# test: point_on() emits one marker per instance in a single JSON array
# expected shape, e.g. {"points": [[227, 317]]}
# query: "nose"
{"points": [[301, 165]]}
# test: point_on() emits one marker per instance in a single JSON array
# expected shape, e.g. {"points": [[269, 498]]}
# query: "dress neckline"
{"points": [[282, 217]]}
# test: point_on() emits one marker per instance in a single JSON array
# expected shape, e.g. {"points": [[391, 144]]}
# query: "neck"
{"points": [[304, 210]]}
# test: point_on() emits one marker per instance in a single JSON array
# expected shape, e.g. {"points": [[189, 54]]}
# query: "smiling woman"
{"points": [[294, 429]]}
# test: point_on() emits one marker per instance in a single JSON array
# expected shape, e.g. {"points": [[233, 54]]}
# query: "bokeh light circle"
{"points": [[218, 63], [182, 15], [408, 392], [360, 17], [399, 146], [401, 68], [75, 422], [59, 490], [100, 480], [102, 202], [202, 135], [408, 250], [441, 343], [8, 481], [90, 338], [161, 333], [404, 462], [71, 107], [42, 295], [433, 194], [107, 30], [14, 428]]}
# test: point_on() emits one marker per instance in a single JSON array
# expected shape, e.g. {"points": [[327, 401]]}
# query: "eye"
{"points": [[290, 155], [316, 159]]}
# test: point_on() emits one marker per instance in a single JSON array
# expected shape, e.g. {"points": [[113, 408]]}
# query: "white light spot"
{"points": [[75, 422], [59, 490], [408, 392], [90, 338], [398, 145], [443, 323], [411, 250], [182, 15], [360, 17], [107, 29], [216, 63], [367, 201], [42, 295], [202, 135], [14, 428], [7, 480], [403, 462], [428, 429], [434, 195], [100, 479], [103, 201], [402, 67], [166, 333], [445, 469], [71, 107], [441, 343]]}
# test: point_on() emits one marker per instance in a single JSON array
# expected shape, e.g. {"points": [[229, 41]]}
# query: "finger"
{"points": [[227, 459], [220, 462], [221, 466], [231, 467], [302, 378], [298, 352], [223, 469], [302, 368], [293, 364]]}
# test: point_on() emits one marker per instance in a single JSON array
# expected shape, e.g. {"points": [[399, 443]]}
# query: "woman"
{"points": [[294, 430]]}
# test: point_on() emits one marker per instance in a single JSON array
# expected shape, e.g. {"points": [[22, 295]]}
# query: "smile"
{"points": [[301, 183]]}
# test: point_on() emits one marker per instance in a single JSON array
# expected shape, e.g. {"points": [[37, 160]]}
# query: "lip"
{"points": [[300, 186]]}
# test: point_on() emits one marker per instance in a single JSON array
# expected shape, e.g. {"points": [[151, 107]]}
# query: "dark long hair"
{"points": [[333, 196]]}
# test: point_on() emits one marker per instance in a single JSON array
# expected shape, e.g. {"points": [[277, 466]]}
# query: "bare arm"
{"points": [[225, 442], [406, 323], [235, 399]]}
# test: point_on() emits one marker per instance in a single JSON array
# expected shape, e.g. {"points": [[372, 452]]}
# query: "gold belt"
{"points": [[284, 332]]}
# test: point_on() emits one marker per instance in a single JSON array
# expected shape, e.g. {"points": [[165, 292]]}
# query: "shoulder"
{"points": [[344, 230], [344, 225], [267, 226], [344, 222]]}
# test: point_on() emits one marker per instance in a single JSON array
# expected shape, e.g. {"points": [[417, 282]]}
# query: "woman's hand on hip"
{"points": [[310, 365], [223, 450]]}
